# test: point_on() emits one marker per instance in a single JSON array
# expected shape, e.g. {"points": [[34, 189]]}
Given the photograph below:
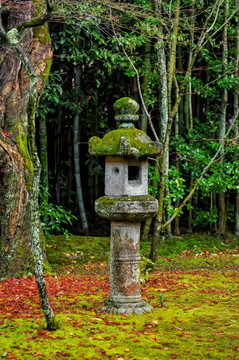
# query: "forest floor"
{"points": [[194, 291]]}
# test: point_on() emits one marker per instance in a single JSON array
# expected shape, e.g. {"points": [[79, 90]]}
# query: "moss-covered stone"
{"points": [[126, 199], [114, 143], [126, 140], [128, 208], [126, 105]]}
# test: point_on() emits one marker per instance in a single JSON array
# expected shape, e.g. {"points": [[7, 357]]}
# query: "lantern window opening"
{"points": [[115, 170], [134, 174]]}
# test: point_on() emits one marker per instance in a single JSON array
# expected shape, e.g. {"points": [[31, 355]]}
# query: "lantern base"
{"points": [[111, 307]]}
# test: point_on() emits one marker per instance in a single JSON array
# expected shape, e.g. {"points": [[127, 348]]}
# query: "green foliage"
{"points": [[88, 41], [52, 95], [154, 180], [203, 218], [145, 264], [56, 217], [231, 213], [77, 250], [161, 300], [175, 185]]}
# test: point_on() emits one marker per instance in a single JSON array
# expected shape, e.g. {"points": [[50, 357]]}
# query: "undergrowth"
{"points": [[195, 316]]}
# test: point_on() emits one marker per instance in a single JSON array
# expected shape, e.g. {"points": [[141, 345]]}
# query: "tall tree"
{"points": [[17, 170], [19, 149], [77, 126], [222, 122], [236, 107]]}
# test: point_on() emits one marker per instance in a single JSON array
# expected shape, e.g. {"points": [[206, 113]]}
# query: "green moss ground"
{"points": [[195, 316], [76, 250]]}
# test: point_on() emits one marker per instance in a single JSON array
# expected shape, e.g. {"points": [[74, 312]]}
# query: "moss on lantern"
{"points": [[116, 208], [139, 144], [126, 105], [126, 140]]}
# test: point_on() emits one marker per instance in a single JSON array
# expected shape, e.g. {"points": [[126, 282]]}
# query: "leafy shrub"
{"points": [[54, 218]]}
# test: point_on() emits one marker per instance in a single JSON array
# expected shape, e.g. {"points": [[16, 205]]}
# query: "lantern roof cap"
{"points": [[126, 140]]}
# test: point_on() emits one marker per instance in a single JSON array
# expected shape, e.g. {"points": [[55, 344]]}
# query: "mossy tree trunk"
{"points": [[16, 167], [31, 72]]}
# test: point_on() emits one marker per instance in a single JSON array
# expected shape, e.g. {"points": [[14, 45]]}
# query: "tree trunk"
{"points": [[43, 156], [16, 168], [145, 85], [189, 111], [236, 106], [11, 38], [164, 163], [176, 130], [222, 124], [77, 155]]}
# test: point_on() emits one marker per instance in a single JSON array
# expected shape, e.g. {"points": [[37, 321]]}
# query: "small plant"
{"points": [[145, 265], [161, 300], [144, 277], [55, 217]]}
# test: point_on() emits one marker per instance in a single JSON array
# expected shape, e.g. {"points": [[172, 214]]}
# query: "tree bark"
{"points": [[79, 191], [222, 125], [236, 106], [164, 163], [16, 168], [12, 39], [145, 85]]}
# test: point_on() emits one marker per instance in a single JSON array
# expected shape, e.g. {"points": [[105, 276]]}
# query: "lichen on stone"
{"points": [[126, 105], [126, 208], [112, 142]]}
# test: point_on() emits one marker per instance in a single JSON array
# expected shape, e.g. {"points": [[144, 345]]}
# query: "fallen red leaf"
{"points": [[5, 133]]}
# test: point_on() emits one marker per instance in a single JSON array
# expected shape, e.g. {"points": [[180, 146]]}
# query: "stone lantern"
{"points": [[126, 203]]}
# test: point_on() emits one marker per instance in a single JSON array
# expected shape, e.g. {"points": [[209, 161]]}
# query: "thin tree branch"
{"points": [[34, 23], [138, 83], [213, 160]]}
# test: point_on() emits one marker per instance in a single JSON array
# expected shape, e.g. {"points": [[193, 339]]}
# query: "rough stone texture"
{"points": [[125, 292], [126, 208], [126, 176], [125, 262], [124, 142], [137, 308], [126, 204], [126, 106]]}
